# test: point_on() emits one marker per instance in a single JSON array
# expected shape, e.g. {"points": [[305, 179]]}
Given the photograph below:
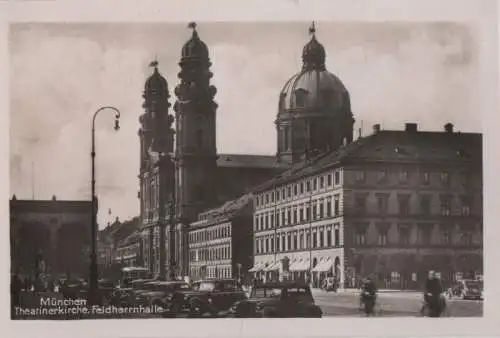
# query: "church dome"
{"points": [[313, 87], [155, 83], [194, 47]]}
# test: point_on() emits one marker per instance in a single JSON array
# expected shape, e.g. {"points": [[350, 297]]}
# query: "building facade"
{"points": [[220, 242], [50, 237], [180, 181], [395, 204], [129, 251]]}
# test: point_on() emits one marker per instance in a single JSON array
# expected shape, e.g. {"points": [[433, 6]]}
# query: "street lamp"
{"points": [[93, 273]]}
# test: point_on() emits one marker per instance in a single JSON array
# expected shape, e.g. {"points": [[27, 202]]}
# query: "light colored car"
{"points": [[471, 289]]}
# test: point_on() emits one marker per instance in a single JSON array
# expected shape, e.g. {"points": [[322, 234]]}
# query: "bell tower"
{"points": [[196, 151], [157, 171]]}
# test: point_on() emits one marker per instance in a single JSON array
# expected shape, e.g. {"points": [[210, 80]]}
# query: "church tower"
{"points": [[314, 113], [157, 171], [196, 152]]}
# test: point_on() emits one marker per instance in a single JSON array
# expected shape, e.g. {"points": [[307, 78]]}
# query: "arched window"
{"points": [[300, 98]]}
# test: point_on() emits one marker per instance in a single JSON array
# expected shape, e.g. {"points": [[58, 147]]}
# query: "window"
{"points": [[272, 221], [300, 97], [329, 180], [322, 182], [321, 238], [277, 196], [308, 212], [289, 192], [404, 204], [425, 204], [337, 237], [301, 214], [336, 205], [283, 194], [382, 204], [360, 176], [283, 221], [295, 190], [289, 216], [308, 186], [337, 177], [314, 240], [301, 241], [328, 237], [315, 184], [308, 240], [426, 178], [403, 177], [404, 235], [360, 237], [445, 178], [267, 221], [301, 187], [446, 237], [199, 138], [445, 205], [382, 238], [277, 243], [360, 203], [294, 241], [289, 241], [382, 176], [272, 196], [425, 234], [329, 207], [466, 206], [267, 198], [466, 238], [315, 209], [321, 209], [295, 213]]}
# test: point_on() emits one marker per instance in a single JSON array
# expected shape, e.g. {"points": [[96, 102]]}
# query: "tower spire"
{"points": [[312, 29], [193, 26]]}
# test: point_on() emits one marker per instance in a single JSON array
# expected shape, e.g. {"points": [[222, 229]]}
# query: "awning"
{"points": [[257, 267], [272, 267], [300, 265], [324, 266]]}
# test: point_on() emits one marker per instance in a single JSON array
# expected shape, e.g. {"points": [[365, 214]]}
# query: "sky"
{"points": [[426, 73]]}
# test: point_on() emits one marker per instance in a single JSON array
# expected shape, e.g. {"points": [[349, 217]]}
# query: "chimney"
{"points": [[411, 127], [376, 128], [448, 128]]}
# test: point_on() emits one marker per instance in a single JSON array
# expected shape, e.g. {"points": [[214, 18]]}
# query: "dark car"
{"points": [[162, 293], [106, 288], [278, 300], [206, 297]]}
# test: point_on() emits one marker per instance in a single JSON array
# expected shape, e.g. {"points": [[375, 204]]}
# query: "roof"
{"points": [[392, 146], [229, 208], [50, 206], [250, 161], [131, 239]]}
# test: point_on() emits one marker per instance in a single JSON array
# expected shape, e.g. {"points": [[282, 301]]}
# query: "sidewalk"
{"points": [[352, 290]]}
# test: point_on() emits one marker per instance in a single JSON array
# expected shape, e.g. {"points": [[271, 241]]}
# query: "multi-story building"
{"points": [[221, 242], [50, 237], [129, 251], [395, 204]]}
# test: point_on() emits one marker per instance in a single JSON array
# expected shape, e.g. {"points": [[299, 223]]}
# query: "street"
{"points": [[346, 303], [390, 304]]}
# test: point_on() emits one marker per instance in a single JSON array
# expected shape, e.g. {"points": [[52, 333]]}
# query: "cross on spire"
{"points": [[192, 25], [312, 29]]}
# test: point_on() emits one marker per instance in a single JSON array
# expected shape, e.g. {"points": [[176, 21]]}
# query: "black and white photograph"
{"points": [[216, 169]]}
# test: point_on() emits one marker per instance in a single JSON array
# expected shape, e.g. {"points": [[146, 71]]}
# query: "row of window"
{"points": [[297, 214], [299, 189], [322, 237], [208, 234], [403, 177], [424, 237], [404, 206], [210, 254], [212, 272]]}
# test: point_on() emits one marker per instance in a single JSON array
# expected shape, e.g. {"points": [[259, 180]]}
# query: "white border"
{"points": [[482, 13]]}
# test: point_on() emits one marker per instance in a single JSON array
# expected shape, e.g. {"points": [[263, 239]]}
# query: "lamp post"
{"points": [[93, 273]]}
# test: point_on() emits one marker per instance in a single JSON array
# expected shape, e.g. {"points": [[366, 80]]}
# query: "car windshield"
{"points": [[298, 292], [266, 293], [205, 286], [171, 287]]}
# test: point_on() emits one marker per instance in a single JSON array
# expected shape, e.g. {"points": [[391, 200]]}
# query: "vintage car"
{"points": [[161, 293], [206, 297], [278, 300]]}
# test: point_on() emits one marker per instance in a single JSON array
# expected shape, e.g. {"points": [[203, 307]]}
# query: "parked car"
{"points": [[161, 293], [106, 288], [279, 300], [206, 297]]}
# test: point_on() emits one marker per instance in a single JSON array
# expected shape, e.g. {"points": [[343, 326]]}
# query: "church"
{"points": [[395, 204], [182, 174]]}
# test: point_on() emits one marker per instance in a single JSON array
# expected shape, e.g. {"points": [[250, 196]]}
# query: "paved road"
{"points": [[391, 304]]}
